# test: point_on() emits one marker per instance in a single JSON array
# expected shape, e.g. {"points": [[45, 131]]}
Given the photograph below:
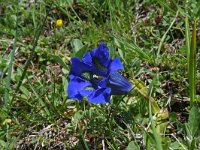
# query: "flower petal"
{"points": [[115, 65], [118, 84], [100, 71], [78, 67], [86, 92], [87, 58], [101, 54], [77, 86], [103, 83], [101, 95]]}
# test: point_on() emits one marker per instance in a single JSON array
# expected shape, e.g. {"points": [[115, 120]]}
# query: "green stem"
{"points": [[153, 125], [192, 66], [187, 40]]}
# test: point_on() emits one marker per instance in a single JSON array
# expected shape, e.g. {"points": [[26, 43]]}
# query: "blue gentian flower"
{"points": [[96, 76]]}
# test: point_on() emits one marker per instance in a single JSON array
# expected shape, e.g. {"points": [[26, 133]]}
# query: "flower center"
{"points": [[86, 75], [99, 69], [92, 78]]}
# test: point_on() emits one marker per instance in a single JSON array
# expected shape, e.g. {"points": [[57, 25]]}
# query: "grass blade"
{"points": [[38, 33], [129, 45], [12, 54], [42, 103], [164, 36]]}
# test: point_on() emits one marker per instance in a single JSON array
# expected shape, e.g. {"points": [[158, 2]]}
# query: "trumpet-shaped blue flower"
{"points": [[96, 76]]}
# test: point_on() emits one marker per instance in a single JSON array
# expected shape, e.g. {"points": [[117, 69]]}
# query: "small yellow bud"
{"points": [[59, 23]]}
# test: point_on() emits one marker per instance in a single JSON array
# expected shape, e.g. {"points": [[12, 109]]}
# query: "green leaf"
{"points": [[78, 48], [77, 45], [194, 120], [25, 91], [141, 89], [77, 117], [111, 51], [176, 145], [133, 146], [59, 61], [81, 52], [2, 144]]}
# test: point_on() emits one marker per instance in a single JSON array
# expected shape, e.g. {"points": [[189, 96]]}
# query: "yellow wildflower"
{"points": [[59, 23]]}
